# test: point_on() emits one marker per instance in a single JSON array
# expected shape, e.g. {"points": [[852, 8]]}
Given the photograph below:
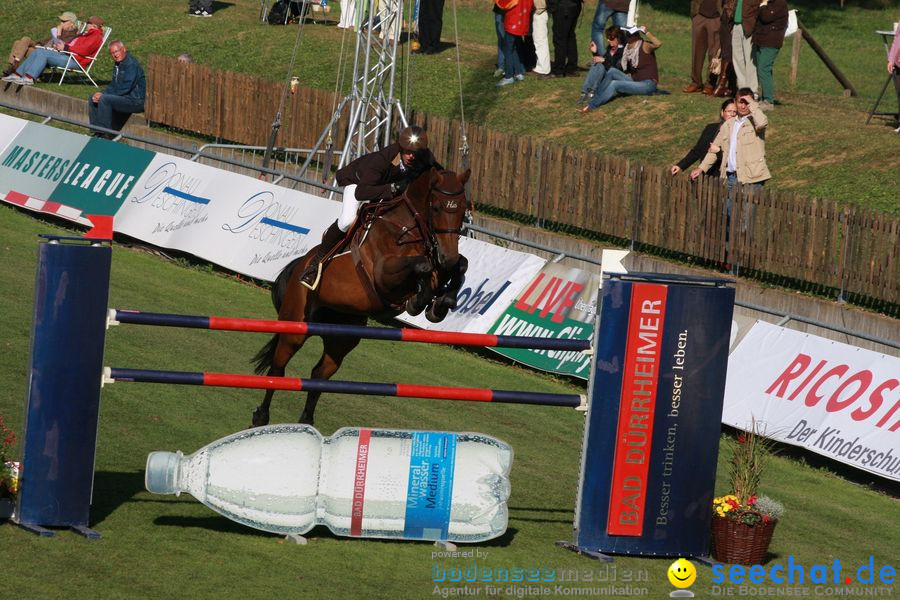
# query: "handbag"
{"points": [[715, 63]]}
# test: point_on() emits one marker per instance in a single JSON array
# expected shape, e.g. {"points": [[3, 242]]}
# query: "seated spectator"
{"points": [[123, 96], [185, 57], [600, 63], [64, 32], [640, 71], [83, 47], [702, 146]]}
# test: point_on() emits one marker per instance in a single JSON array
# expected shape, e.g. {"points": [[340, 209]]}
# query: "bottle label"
{"points": [[359, 482], [430, 489]]}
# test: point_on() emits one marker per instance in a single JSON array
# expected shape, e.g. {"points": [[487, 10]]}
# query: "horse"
{"points": [[403, 254]]}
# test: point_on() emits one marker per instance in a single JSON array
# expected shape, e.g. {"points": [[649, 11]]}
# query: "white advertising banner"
{"points": [[831, 398], [9, 129], [494, 278], [243, 224]]}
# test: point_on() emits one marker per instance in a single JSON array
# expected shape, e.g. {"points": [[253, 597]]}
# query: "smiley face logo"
{"points": [[682, 573]]}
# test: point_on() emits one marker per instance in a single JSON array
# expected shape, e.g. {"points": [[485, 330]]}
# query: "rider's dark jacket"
{"points": [[374, 173]]}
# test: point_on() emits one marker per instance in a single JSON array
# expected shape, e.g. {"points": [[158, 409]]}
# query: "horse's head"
{"points": [[442, 199]]}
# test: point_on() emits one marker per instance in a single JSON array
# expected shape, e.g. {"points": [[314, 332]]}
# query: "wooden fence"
{"points": [[771, 233]]}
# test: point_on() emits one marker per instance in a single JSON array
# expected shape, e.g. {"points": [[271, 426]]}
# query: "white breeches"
{"points": [[349, 207]]}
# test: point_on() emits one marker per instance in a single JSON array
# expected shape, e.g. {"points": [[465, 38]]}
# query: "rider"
{"points": [[374, 177]]}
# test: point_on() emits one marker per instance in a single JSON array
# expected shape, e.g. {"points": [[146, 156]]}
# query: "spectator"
{"points": [[124, 94], [541, 42], [726, 72], [705, 24], [768, 37], [83, 47], [65, 32], [516, 23], [640, 75], [707, 137], [600, 63], [745, 12], [185, 57], [501, 34], [565, 49], [200, 8], [431, 21], [348, 14], [617, 9], [742, 140], [893, 64]]}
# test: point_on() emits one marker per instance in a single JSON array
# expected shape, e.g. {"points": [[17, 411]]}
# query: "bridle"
{"points": [[440, 200]]}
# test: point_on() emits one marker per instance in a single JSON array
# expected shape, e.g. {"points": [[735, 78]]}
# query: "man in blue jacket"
{"points": [[124, 94]]}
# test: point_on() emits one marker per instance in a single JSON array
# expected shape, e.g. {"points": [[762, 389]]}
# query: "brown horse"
{"points": [[404, 255]]}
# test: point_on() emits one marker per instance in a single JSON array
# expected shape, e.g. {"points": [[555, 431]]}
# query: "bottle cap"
{"points": [[162, 472]]}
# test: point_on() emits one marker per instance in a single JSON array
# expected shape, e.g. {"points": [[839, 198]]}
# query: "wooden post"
{"points": [[795, 58], [848, 87]]}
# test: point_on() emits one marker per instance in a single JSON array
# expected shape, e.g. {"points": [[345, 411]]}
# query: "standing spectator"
{"points": [[768, 37], [600, 63], [83, 47], [893, 64], [541, 41], [200, 8], [565, 49], [124, 94], [348, 14], [707, 137], [705, 25], [516, 22], [65, 32], [742, 140], [726, 72], [745, 12], [501, 34], [431, 21], [641, 73], [617, 9]]}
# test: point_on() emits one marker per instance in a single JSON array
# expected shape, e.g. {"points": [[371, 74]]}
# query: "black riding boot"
{"points": [[332, 236]]}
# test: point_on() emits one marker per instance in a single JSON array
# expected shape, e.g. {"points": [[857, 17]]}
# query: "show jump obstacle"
{"points": [[653, 410]]}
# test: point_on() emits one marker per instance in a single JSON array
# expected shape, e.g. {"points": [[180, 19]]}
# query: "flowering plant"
{"points": [[745, 471], [9, 480]]}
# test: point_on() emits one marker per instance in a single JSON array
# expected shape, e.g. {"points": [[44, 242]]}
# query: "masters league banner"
{"points": [[243, 224], [494, 277], [831, 398], [653, 425], [9, 129]]}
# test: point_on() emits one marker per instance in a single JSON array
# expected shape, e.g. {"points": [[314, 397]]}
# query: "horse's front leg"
{"points": [[446, 299], [424, 285]]}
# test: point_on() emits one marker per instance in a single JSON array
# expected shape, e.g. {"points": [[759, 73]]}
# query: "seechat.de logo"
{"points": [[797, 573]]}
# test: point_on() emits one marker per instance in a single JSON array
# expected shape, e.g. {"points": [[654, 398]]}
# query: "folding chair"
{"points": [[74, 65]]}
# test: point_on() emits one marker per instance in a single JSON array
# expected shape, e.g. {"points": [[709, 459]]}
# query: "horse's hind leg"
{"points": [[336, 348], [285, 349]]}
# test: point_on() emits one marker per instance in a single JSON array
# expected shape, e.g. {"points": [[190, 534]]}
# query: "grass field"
{"points": [[156, 547], [817, 141]]}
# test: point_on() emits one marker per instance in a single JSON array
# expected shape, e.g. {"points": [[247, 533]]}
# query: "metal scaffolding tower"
{"points": [[371, 100]]}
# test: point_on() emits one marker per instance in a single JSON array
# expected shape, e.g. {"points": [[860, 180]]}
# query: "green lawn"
{"points": [[817, 142], [162, 547]]}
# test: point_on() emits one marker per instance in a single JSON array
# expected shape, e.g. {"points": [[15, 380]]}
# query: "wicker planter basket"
{"points": [[736, 543]]}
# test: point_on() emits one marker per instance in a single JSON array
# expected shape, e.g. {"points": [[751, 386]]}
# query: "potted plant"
{"points": [[9, 471], [743, 521]]}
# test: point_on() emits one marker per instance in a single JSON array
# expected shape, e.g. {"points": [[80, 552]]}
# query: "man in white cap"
{"points": [[64, 32]]}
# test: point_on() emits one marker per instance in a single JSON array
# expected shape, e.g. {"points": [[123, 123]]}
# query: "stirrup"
{"points": [[312, 286]]}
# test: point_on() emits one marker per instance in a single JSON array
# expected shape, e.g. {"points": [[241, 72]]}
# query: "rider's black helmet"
{"points": [[413, 139]]}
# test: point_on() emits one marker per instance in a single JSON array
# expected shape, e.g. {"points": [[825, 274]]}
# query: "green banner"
{"points": [[559, 302], [99, 179]]}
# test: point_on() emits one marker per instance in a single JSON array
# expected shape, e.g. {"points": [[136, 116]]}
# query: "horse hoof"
{"points": [[260, 418], [437, 312], [413, 307]]}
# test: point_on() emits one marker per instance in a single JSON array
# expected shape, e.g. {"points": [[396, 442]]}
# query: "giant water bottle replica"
{"points": [[359, 482]]}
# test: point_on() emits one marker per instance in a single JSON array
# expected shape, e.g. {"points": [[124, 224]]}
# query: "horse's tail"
{"points": [[266, 355]]}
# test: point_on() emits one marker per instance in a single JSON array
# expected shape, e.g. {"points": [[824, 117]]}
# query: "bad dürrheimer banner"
{"points": [[652, 435], [831, 398]]}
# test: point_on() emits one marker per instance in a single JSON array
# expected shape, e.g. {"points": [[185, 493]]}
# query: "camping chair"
{"points": [[74, 65]]}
